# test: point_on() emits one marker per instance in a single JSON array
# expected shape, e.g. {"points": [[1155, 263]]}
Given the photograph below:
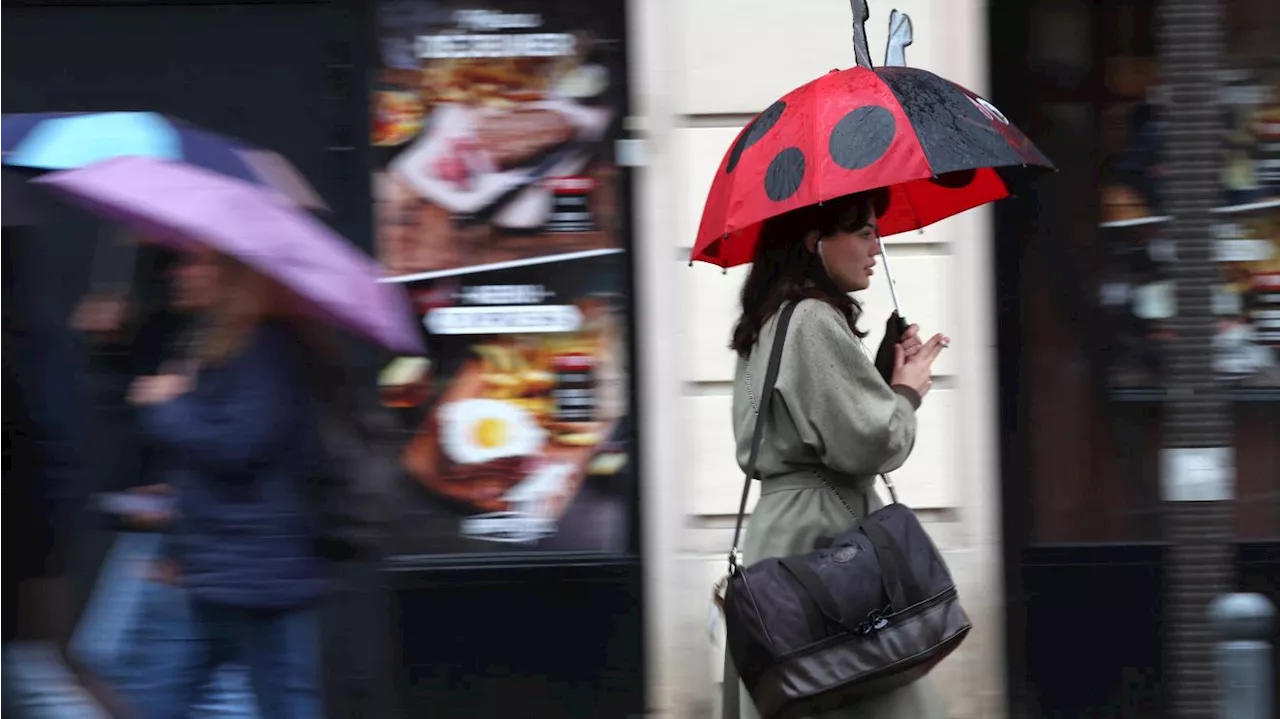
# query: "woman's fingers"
{"points": [[910, 340], [899, 357], [929, 352]]}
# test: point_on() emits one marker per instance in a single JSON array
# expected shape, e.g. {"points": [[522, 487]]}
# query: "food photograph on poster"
{"points": [[1137, 288], [493, 131], [519, 421]]}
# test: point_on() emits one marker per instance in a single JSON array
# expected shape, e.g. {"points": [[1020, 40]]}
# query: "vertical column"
{"points": [[1197, 469]]}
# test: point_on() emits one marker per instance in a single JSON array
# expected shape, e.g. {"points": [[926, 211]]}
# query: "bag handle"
{"points": [[757, 435]]}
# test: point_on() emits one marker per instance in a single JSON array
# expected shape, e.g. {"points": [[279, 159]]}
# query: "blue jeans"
{"points": [[134, 628], [280, 648]]}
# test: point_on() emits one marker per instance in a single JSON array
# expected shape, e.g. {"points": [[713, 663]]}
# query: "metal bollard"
{"points": [[1243, 623]]}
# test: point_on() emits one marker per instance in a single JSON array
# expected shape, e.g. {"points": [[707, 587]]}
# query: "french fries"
{"points": [[521, 374]]}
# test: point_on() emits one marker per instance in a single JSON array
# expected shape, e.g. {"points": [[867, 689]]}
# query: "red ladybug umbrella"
{"points": [[940, 148]]}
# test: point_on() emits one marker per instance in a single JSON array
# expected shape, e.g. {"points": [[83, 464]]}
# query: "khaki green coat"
{"points": [[833, 416]]}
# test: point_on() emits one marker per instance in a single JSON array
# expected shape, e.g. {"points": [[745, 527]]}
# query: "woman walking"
{"points": [[239, 430], [839, 418]]}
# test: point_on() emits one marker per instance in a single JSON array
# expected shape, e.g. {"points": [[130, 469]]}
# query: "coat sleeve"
{"points": [[232, 429], [841, 406]]}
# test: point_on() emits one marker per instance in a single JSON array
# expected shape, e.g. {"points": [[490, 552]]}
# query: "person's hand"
{"points": [[910, 341], [895, 335], [916, 372], [100, 315], [151, 519], [158, 389]]}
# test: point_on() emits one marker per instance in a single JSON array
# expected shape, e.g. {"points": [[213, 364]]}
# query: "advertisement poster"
{"points": [[1137, 289], [498, 207]]}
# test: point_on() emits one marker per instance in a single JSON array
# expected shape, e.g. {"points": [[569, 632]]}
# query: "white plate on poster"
{"points": [[452, 124], [532, 206]]}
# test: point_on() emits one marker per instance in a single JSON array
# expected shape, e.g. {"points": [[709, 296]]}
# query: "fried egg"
{"points": [[475, 431]]}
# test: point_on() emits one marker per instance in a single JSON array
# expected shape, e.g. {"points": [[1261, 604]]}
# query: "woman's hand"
{"points": [[151, 519], [916, 371], [910, 341], [158, 389], [894, 335], [102, 317]]}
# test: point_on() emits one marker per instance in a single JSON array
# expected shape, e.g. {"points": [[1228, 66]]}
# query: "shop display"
{"points": [[1136, 289], [498, 209], [494, 131]]}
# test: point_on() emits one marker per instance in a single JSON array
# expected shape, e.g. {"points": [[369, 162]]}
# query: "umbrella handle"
{"points": [[861, 13], [893, 290]]}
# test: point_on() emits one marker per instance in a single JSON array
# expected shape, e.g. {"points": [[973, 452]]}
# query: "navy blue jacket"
{"points": [[243, 446]]}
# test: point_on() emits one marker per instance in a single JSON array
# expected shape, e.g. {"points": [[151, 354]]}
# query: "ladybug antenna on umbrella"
{"points": [[900, 36], [861, 13]]}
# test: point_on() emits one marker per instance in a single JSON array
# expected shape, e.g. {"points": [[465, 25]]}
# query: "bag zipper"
{"points": [[918, 607], [931, 651], [877, 620]]}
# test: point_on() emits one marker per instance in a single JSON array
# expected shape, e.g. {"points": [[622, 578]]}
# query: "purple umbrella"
{"points": [[184, 205]]}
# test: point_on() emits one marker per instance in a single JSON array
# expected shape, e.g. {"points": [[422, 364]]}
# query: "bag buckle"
{"points": [[735, 560], [875, 621]]}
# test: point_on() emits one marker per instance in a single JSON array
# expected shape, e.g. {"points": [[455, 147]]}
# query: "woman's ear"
{"points": [[811, 241]]}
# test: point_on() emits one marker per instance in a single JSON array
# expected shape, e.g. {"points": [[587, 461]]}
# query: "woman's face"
{"points": [[849, 254], [197, 281]]}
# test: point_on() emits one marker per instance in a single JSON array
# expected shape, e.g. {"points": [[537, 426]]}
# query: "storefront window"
{"points": [[1136, 286], [1097, 274], [1090, 469]]}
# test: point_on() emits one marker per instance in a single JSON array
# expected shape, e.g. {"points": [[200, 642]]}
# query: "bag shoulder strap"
{"points": [[757, 436]]}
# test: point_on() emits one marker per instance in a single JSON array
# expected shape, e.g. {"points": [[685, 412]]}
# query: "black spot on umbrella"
{"points": [[785, 174], [955, 180], [861, 137], [756, 130]]}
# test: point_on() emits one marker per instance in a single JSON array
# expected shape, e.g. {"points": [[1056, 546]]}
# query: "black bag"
{"points": [[874, 610], [354, 491]]}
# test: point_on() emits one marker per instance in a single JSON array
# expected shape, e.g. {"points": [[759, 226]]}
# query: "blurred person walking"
{"points": [[134, 327], [277, 466], [237, 427]]}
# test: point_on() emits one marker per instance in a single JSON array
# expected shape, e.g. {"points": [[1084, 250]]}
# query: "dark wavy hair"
{"points": [[784, 270]]}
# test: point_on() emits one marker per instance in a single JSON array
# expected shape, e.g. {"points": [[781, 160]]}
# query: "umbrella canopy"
{"points": [[65, 141], [940, 148], [184, 205]]}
